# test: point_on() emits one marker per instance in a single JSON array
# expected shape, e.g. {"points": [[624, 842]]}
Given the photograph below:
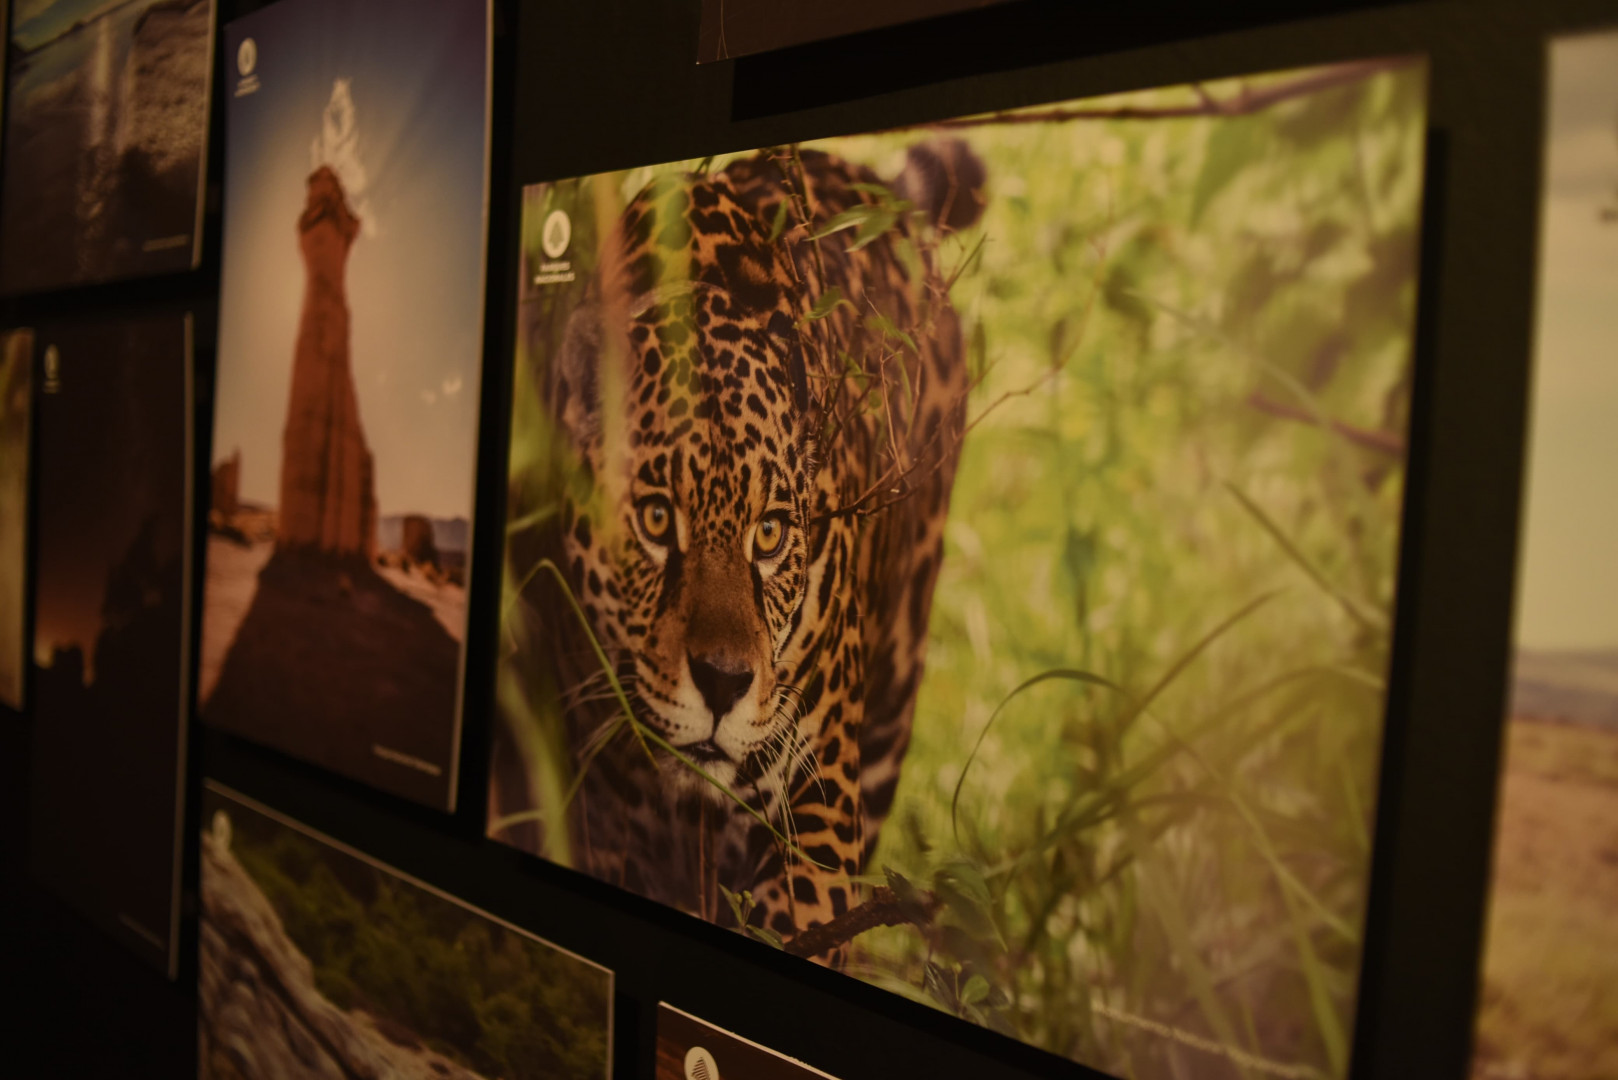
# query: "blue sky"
{"points": [[416, 73]]}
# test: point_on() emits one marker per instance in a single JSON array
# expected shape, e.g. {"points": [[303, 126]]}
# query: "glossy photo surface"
{"points": [[106, 136], [317, 960], [964, 555], [1549, 1006], [350, 356]]}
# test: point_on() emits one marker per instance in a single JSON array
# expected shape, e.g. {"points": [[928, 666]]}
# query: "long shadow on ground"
{"points": [[332, 663]]}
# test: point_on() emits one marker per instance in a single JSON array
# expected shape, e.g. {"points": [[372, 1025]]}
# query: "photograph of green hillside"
{"points": [[964, 555], [1549, 1004], [316, 960], [16, 406]]}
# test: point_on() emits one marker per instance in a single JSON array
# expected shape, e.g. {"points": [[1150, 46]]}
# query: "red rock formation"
{"points": [[418, 544], [328, 501], [226, 485]]}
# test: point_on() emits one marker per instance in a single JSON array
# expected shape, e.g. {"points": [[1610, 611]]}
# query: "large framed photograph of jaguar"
{"points": [[964, 555]]}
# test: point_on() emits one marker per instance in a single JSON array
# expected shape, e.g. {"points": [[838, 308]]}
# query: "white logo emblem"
{"points": [[558, 232], [246, 61], [699, 1064], [53, 370]]}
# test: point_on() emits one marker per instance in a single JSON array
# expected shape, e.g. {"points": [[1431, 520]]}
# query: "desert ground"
{"points": [[1550, 996]]}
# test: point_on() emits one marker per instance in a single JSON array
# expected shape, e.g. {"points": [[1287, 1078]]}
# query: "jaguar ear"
{"points": [[575, 384]]}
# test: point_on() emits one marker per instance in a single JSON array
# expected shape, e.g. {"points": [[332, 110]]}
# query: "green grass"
{"points": [[1161, 629]]}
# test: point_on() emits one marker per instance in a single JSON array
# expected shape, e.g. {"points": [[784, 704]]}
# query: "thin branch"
{"points": [[1383, 441], [884, 908], [1243, 103]]}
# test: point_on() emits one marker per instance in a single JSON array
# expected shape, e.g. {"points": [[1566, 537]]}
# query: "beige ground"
{"points": [[232, 583], [1550, 998]]}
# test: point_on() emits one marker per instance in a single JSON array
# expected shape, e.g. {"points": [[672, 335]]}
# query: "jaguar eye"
{"points": [[768, 535], [656, 517]]}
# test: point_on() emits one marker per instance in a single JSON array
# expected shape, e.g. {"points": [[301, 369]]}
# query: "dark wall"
{"points": [[603, 84]]}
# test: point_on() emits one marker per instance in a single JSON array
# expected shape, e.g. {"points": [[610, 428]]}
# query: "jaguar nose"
{"points": [[720, 680]]}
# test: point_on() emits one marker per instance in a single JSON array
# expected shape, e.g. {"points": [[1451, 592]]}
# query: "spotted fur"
{"points": [[757, 536]]}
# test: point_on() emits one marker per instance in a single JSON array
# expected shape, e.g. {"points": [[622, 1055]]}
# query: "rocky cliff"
{"points": [[261, 1016], [328, 500], [166, 93]]}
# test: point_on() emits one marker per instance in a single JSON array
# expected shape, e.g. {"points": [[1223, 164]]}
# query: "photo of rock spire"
{"points": [[328, 502], [334, 614], [105, 140]]}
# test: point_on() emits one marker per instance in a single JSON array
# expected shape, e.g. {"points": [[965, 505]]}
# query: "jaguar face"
{"points": [[689, 551]]}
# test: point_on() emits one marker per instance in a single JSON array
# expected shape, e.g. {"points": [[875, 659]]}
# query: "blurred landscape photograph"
{"points": [[350, 350], [315, 960], [965, 555], [16, 406], [111, 605], [107, 119], [1549, 998]]}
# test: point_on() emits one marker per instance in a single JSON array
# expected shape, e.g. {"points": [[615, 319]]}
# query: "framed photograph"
{"points": [[316, 960], [112, 635], [965, 555], [16, 406], [350, 359], [106, 140], [693, 1049], [1549, 1004]]}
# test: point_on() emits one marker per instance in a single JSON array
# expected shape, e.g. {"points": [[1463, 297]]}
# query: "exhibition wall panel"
{"points": [[1156, 378]]}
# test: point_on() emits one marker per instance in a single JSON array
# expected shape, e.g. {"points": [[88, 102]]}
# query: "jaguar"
{"points": [[764, 392]]}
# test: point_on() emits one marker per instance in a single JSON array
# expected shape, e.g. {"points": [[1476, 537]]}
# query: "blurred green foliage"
{"points": [[1181, 502], [500, 1003], [1135, 821]]}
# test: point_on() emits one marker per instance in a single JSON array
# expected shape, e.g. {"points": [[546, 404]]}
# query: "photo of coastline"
{"points": [[317, 960], [111, 636], [350, 353], [107, 122], [965, 555], [16, 406], [1548, 1006]]}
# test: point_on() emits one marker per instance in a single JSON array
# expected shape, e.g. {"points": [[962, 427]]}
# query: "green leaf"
{"points": [[884, 325], [779, 224], [851, 218], [827, 303], [872, 228], [975, 990], [766, 935]]}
